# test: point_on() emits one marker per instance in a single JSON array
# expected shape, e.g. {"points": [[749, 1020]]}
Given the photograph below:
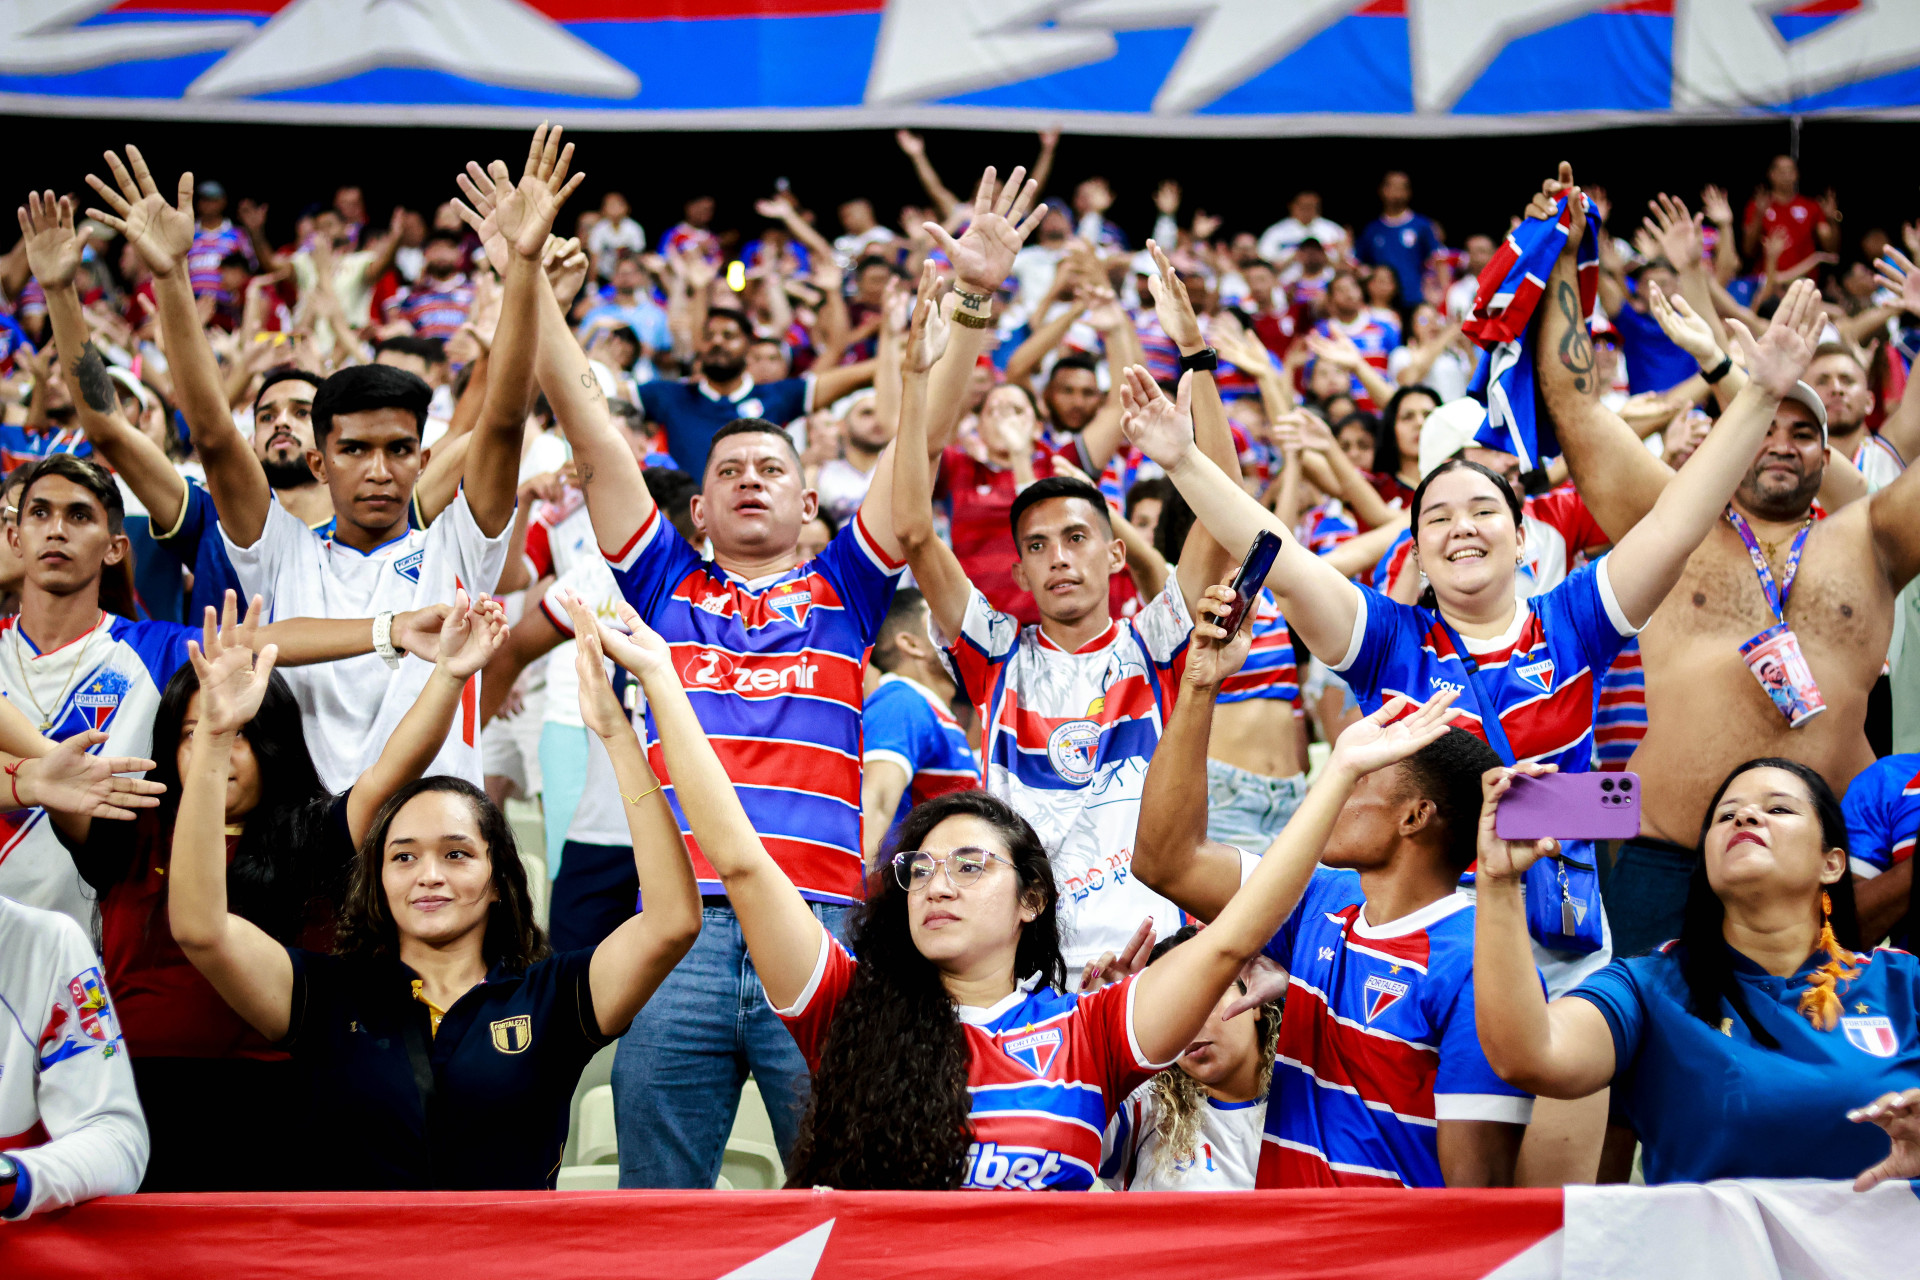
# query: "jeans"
{"points": [[563, 770], [593, 895], [1247, 809], [1646, 894], [678, 1070]]}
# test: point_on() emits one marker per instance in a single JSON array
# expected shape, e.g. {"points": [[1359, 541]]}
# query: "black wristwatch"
{"points": [[1205, 360]]}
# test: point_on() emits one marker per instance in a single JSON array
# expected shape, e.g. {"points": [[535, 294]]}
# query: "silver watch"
{"points": [[383, 639]]}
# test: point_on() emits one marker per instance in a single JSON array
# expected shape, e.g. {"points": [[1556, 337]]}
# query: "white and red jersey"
{"points": [[560, 543], [1225, 1154], [1045, 1072], [600, 815], [351, 707], [69, 1116], [1065, 739], [111, 679]]}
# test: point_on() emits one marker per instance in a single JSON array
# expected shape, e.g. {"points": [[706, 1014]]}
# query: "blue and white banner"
{"points": [[1194, 67]]}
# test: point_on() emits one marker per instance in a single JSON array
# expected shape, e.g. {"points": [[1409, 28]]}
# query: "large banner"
{"points": [[1786, 1230], [1228, 67]]}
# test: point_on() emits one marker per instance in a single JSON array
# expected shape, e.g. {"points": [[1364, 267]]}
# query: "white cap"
{"points": [[1448, 430], [1809, 398]]}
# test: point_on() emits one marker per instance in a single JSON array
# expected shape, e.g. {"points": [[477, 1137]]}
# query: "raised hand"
{"points": [[1171, 303], [510, 218], [1675, 231], [1336, 348], [471, 635], [982, 257], [1507, 860], [1776, 361], [640, 650], [53, 246], [159, 232], [1899, 1115], [1379, 740], [68, 780], [1103, 313], [1714, 203], [1162, 429], [1265, 982], [600, 709], [1895, 271], [1112, 966], [1684, 327], [233, 679], [1212, 654], [565, 263], [910, 142], [1544, 205], [418, 631], [929, 330]]}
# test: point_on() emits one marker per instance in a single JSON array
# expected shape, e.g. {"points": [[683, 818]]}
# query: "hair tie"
{"points": [[1820, 1002]]}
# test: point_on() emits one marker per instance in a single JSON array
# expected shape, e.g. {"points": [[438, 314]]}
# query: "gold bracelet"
{"points": [[969, 320], [642, 796]]}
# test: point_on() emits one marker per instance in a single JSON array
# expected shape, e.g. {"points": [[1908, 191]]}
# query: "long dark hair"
{"points": [[1427, 598], [890, 1107], [273, 876], [513, 939], [1386, 441], [1706, 961]]}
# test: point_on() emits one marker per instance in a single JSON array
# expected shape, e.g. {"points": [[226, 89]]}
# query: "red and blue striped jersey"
{"points": [[1046, 1070], [1375, 341], [1377, 1043], [1883, 813], [775, 670], [204, 255], [1272, 668], [435, 308], [1324, 526], [906, 723], [20, 444], [1620, 718]]}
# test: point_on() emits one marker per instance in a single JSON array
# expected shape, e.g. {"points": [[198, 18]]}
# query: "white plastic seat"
{"points": [[752, 1158], [599, 1141]]}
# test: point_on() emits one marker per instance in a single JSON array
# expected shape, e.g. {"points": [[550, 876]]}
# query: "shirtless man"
{"points": [[1705, 710]]}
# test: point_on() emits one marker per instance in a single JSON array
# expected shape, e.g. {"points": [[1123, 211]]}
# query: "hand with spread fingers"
{"points": [[1161, 428], [1781, 355], [159, 232], [54, 248], [982, 256]]}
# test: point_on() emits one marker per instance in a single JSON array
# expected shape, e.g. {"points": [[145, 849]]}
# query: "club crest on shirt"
{"points": [[89, 992], [408, 565], [1073, 748], [1385, 992], [791, 601], [512, 1035], [1538, 674], [1035, 1050], [100, 697], [1871, 1035]]}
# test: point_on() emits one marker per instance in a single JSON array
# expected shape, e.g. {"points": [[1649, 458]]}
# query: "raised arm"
{"points": [[251, 971], [1561, 1049], [1902, 426], [1171, 852], [162, 234], [936, 569], [916, 150], [631, 962], [54, 249], [782, 935], [1121, 343], [1649, 559], [1679, 238]]}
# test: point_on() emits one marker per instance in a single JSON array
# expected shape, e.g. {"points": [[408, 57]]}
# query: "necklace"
{"points": [[26, 683], [1773, 548]]}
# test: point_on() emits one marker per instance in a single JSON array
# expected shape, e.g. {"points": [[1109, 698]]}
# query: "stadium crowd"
{"points": [[1300, 706]]}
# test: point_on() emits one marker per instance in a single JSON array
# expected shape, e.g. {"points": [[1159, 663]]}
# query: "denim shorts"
{"points": [[1249, 809]]}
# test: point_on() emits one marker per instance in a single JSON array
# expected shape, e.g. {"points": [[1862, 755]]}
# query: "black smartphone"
{"points": [[1252, 576]]}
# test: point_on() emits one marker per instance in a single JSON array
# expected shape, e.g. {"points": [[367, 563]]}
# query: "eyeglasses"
{"points": [[914, 868]]}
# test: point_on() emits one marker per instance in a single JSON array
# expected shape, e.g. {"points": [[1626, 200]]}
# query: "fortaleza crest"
{"points": [[1073, 749], [408, 565], [1034, 1050], [100, 697], [512, 1035], [1385, 992], [791, 602], [1538, 674], [1872, 1035]]}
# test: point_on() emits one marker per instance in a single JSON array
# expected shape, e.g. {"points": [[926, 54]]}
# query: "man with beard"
{"points": [[1073, 396], [436, 305], [694, 410], [1705, 710]]}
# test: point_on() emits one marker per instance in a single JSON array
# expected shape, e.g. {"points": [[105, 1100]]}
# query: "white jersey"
{"points": [[1065, 739], [352, 707], [69, 1115], [110, 679], [566, 549], [1225, 1155], [601, 816]]}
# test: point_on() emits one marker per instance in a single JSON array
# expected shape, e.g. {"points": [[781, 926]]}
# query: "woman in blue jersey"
{"points": [[949, 1055], [1757, 1045]]}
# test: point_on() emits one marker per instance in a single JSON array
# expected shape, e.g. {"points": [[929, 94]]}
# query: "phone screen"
{"points": [[1253, 573]]}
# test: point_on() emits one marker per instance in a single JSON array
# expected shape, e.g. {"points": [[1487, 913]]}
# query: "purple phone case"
{"points": [[1571, 806]]}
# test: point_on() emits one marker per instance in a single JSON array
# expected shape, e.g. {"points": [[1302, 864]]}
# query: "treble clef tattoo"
{"points": [[1576, 348]]}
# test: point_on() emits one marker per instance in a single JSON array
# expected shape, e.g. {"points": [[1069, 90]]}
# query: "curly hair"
{"points": [[890, 1109], [1182, 1099]]}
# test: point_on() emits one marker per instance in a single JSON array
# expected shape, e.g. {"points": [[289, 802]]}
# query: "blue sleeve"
{"points": [[656, 562], [197, 519], [1868, 836], [1393, 630], [1615, 991], [890, 724], [783, 401], [1363, 246], [162, 646], [1463, 1068], [861, 574], [1577, 610], [653, 399]]}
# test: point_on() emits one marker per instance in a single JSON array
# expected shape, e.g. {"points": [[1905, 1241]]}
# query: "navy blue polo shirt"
{"points": [[1654, 363], [481, 1106], [1712, 1103], [195, 542], [692, 412]]}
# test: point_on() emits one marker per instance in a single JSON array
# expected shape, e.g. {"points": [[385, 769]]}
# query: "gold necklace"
{"points": [[1772, 549], [80, 653]]}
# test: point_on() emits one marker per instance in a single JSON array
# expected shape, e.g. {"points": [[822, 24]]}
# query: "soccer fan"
{"points": [[626, 303], [1282, 240], [1399, 238], [438, 958], [70, 1123], [1705, 710], [1883, 817], [1778, 208], [1379, 953], [1071, 707], [616, 236], [1761, 986], [215, 240], [1355, 341], [437, 304], [912, 749], [961, 971], [1196, 1126]]}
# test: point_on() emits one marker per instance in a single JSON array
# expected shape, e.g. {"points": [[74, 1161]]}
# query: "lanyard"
{"points": [[1488, 709], [1776, 596]]}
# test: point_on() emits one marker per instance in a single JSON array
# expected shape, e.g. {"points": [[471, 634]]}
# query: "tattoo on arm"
{"points": [[96, 388], [1576, 348], [586, 474]]}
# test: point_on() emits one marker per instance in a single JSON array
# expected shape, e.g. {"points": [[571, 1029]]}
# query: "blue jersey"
{"points": [[1883, 813], [1654, 363], [195, 542], [1404, 244], [775, 669], [906, 724], [693, 412], [20, 445], [1377, 1043], [1708, 1101]]}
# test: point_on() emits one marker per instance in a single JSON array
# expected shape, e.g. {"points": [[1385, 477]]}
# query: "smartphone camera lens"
{"points": [[1607, 785]]}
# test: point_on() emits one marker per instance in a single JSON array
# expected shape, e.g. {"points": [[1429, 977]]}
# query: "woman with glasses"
{"points": [[949, 1055]]}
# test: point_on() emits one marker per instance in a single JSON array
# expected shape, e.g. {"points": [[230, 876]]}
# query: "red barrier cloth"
{"points": [[778, 1235]]}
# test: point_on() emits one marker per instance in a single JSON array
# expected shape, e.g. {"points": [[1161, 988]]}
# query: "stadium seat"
{"points": [[588, 1177], [598, 1072], [752, 1159], [599, 1141], [530, 834]]}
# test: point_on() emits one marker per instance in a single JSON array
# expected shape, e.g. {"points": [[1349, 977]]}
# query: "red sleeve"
{"points": [[539, 548], [1105, 1018], [1566, 511], [955, 465], [812, 1014]]}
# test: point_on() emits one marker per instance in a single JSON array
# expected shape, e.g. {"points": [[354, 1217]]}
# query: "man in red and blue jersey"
{"points": [[436, 305], [214, 239], [1883, 816], [1347, 315], [915, 749], [1378, 1078]]}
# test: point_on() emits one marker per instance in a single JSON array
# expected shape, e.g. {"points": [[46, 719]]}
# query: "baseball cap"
{"points": [[209, 190], [1448, 430], [1805, 395]]}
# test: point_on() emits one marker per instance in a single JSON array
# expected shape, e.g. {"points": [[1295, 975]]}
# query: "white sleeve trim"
{"points": [[1500, 1108], [1359, 633], [889, 757], [1249, 863], [805, 998], [1603, 576], [1862, 868], [1133, 1041]]}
